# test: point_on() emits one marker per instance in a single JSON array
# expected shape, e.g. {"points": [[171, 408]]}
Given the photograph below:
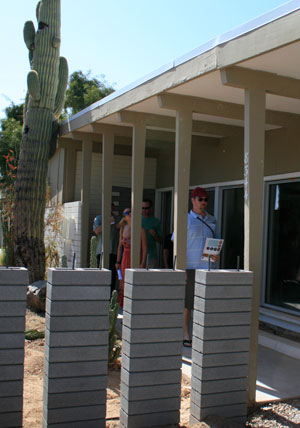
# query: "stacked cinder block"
{"points": [[76, 348], [152, 347], [221, 332], [13, 287]]}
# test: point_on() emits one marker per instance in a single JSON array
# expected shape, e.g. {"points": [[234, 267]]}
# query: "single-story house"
{"points": [[225, 116]]}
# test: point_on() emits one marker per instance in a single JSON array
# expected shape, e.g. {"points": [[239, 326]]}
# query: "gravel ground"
{"points": [[276, 415]]}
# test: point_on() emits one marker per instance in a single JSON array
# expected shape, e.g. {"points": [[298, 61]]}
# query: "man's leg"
{"points": [[189, 305], [186, 323], [112, 268]]}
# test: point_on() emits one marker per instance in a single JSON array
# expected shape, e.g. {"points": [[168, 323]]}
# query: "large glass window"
{"points": [[232, 228], [283, 246]]}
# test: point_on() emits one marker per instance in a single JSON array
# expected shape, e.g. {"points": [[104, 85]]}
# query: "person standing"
{"points": [[153, 231], [123, 261], [114, 239], [200, 225]]}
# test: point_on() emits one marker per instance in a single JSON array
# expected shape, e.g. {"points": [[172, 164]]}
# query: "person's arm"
{"points": [[156, 233], [144, 248], [166, 257], [119, 251]]}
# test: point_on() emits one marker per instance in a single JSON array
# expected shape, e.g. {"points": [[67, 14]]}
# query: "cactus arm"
{"points": [[29, 35], [62, 85], [33, 85]]}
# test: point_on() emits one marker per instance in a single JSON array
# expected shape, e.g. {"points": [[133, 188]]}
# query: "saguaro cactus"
{"points": [[47, 82]]}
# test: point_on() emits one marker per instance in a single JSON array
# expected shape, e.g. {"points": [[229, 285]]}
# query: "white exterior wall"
{"points": [[121, 175], [70, 232]]}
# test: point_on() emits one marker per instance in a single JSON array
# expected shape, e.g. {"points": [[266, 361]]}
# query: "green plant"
{"points": [[93, 252], [114, 344], [34, 334], [64, 261], [53, 223]]}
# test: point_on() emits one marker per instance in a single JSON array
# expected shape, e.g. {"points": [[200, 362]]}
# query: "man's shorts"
{"points": [[189, 289]]}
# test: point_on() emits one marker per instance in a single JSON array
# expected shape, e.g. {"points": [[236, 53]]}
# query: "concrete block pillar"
{"points": [[152, 347], [13, 286], [221, 335], [76, 348]]}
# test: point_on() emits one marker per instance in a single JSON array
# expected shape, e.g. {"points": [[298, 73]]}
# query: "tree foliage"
{"points": [[84, 90]]}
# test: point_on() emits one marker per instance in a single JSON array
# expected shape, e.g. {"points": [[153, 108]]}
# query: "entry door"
{"points": [[232, 227]]}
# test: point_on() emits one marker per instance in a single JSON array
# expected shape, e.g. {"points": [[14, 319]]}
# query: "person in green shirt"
{"points": [[153, 232]]}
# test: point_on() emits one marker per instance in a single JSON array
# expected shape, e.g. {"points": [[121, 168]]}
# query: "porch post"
{"points": [[87, 149], [254, 148], [183, 143], [137, 185], [107, 161]]}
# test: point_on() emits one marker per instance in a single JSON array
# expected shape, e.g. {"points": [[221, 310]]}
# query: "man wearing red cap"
{"points": [[200, 226]]}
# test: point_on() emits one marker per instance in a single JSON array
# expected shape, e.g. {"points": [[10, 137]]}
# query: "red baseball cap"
{"points": [[200, 192]]}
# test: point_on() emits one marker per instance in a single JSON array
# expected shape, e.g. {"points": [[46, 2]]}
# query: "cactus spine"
{"points": [[46, 83], [93, 252]]}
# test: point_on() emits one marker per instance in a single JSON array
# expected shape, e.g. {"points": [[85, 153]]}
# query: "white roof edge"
{"points": [[253, 24]]}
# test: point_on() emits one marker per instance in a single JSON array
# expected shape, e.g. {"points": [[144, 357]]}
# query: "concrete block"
{"points": [[151, 349], [213, 333], [81, 424], [152, 320], [149, 406], [223, 277], [74, 399], [151, 363], [223, 291], [222, 305], [222, 318], [167, 277], [155, 392], [211, 387], [154, 292], [230, 411], [76, 369], [147, 307], [11, 404], [150, 378], [82, 383], [73, 353], [12, 325], [65, 276], [219, 360], [11, 388], [80, 323], [71, 414], [152, 335], [220, 346], [11, 356], [221, 399], [14, 276], [78, 292], [12, 309], [76, 338], [11, 419], [149, 419], [13, 292], [215, 373], [11, 372], [76, 308]]}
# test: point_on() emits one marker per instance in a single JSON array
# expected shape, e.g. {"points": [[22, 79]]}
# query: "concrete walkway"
{"points": [[278, 374]]}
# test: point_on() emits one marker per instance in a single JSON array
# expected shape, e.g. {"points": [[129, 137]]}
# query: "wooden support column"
{"points": [[255, 85], [69, 175], [184, 107], [107, 161], [137, 186], [183, 145], [254, 149], [87, 148]]}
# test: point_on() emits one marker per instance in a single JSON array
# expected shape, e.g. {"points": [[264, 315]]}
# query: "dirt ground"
{"points": [[273, 415]]}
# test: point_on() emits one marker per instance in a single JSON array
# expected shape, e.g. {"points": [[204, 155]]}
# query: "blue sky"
{"points": [[123, 40]]}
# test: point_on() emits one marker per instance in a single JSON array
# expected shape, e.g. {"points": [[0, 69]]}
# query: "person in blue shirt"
{"points": [[200, 226]]}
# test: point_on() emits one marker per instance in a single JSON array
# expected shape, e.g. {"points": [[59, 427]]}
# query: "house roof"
{"points": [[267, 44]]}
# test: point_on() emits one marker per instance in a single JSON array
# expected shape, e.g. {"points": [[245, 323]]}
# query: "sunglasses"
{"points": [[125, 213], [146, 208], [202, 199]]}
